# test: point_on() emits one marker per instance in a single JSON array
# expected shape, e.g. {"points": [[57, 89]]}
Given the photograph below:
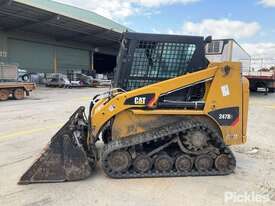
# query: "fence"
{"points": [[256, 64]]}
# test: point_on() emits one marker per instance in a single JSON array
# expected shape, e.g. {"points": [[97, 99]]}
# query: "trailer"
{"points": [[253, 69], [9, 84], [261, 79], [17, 90]]}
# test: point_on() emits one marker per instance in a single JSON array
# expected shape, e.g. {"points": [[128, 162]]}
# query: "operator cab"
{"points": [[145, 59]]}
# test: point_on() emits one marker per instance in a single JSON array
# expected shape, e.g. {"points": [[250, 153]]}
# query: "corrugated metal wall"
{"points": [[3, 47], [38, 57], [68, 58], [32, 56]]}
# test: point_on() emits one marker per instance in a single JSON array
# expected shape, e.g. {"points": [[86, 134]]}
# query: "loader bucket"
{"points": [[65, 157]]}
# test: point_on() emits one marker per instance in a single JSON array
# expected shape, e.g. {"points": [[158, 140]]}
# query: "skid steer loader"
{"points": [[172, 114]]}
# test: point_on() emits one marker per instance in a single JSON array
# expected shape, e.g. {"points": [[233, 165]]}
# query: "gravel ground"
{"points": [[27, 125]]}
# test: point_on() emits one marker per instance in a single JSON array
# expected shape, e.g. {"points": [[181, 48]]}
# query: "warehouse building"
{"points": [[46, 36]]}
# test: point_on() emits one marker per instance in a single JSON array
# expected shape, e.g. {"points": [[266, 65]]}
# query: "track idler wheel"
{"points": [[222, 162], [119, 161], [142, 164]]}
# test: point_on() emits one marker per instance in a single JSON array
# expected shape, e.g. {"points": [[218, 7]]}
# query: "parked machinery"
{"points": [[175, 115], [57, 80]]}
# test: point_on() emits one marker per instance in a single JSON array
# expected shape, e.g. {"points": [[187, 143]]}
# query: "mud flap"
{"points": [[65, 158]]}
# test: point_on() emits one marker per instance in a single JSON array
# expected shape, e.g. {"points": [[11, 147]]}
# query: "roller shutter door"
{"points": [[34, 57], [72, 59], [38, 57]]}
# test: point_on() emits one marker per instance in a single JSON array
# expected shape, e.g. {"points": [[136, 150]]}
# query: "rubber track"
{"points": [[158, 134]]}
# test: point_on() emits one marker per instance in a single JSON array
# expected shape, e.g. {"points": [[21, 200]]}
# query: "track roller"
{"points": [[142, 164], [163, 163]]}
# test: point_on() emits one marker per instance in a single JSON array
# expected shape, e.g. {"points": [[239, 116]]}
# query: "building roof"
{"points": [[75, 13], [60, 21]]}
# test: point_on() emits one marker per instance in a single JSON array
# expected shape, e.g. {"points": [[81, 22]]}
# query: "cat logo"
{"points": [[140, 100]]}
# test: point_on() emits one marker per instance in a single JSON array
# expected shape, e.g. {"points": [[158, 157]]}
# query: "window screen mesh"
{"points": [[214, 47], [156, 61]]}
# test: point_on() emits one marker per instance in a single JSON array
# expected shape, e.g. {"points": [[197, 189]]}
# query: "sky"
{"points": [[249, 22]]}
